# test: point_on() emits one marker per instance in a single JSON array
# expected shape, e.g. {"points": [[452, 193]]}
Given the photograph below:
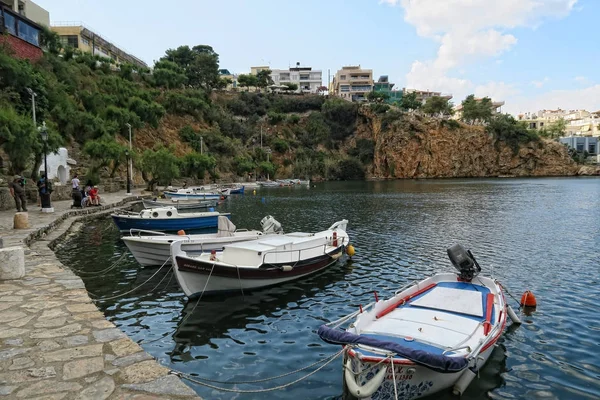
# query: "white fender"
{"points": [[463, 382], [368, 388], [513, 315]]}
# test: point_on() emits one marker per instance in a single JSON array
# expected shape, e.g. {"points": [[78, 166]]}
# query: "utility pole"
{"points": [[261, 137], [129, 159], [201, 148]]}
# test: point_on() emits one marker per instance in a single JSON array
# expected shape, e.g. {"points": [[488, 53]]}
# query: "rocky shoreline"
{"points": [[54, 342]]}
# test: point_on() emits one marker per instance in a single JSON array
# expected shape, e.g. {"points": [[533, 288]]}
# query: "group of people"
{"points": [[89, 196]]}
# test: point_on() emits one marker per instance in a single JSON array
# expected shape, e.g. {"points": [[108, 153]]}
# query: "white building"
{"points": [[58, 165], [307, 79]]}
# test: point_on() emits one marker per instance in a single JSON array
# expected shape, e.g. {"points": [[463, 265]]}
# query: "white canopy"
{"points": [[225, 226]]}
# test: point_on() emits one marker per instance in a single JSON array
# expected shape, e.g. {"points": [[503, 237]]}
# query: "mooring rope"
{"points": [[322, 360], [187, 377], [132, 290], [91, 274]]}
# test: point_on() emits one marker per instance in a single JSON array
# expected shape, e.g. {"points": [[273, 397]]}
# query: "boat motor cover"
{"points": [[435, 362], [225, 227]]}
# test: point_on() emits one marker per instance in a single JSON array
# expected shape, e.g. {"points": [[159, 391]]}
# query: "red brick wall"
{"points": [[21, 48]]}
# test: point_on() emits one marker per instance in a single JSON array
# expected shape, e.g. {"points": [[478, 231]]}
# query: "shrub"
{"points": [[275, 118], [350, 169], [294, 119], [364, 150], [298, 104], [196, 165], [280, 145], [379, 108], [243, 165], [186, 103], [340, 115], [508, 130]]}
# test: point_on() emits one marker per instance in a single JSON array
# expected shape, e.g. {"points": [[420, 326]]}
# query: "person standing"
{"points": [[75, 182], [17, 190]]}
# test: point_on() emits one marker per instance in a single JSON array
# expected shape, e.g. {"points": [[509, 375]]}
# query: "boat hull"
{"points": [[149, 252], [193, 196], [197, 277], [125, 224], [199, 205]]}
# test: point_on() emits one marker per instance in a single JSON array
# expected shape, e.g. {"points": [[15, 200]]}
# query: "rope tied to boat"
{"points": [[286, 385], [92, 274], [132, 290]]}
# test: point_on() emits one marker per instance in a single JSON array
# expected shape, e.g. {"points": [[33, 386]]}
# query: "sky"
{"points": [[532, 54]]}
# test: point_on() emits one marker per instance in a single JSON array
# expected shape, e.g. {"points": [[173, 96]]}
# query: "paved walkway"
{"points": [[54, 343]]}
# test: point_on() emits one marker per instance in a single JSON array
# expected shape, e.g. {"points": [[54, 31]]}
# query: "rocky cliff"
{"points": [[419, 147]]}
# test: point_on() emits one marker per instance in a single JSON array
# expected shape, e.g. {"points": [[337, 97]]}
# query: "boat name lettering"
{"points": [[401, 373], [196, 267]]}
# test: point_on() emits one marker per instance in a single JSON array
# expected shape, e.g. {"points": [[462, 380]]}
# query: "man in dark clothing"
{"points": [[17, 190]]}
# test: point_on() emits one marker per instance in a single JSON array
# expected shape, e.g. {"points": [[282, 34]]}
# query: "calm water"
{"points": [[538, 234]]}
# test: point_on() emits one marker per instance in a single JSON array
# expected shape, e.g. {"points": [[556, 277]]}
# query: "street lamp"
{"points": [[129, 163], [201, 149], [128, 178], [33, 96], [268, 151], [45, 195]]}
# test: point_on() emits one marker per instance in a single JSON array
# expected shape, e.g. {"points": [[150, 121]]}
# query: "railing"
{"points": [[341, 240]]}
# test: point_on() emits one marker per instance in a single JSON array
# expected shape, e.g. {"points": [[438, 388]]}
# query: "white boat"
{"points": [[259, 263], [269, 184], [437, 334], [197, 194], [154, 248], [181, 204]]}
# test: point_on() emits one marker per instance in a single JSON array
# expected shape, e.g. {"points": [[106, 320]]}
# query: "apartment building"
{"points": [[28, 9], [19, 33], [578, 122], [352, 83], [307, 79], [384, 85], [424, 95], [225, 74], [85, 39]]}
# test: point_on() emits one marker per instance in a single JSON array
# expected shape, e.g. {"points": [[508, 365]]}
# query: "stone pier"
{"points": [[54, 342]]}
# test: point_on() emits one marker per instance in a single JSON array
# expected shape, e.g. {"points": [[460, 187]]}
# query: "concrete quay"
{"points": [[54, 342]]}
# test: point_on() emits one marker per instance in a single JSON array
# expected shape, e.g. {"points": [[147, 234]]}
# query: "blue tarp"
{"points": [[435, 362]]}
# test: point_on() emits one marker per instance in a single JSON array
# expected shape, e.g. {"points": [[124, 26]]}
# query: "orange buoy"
{"points": [[528, 299], [181, 232]]}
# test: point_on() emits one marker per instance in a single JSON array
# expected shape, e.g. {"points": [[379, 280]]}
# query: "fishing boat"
{"points": [[269, 184], [234, 188], [196, 194], [259, 263], [181, 204], [428, 337], [166, 219], [154, 248]]}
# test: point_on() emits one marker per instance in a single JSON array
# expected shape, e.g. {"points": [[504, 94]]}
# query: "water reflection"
{"points": [[538, 234]]}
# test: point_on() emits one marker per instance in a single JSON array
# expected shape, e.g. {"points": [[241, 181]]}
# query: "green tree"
{"points": [[409, 102], [378, 97], [200, 65], [243, 165], [437, 106], [105, 152], [196, 165], [476, 110], [340, 115], [263, 78], [291, 87], [513, 133], [557, 129], [168, 74], [247, 80], [267, 168], [158, 166]]}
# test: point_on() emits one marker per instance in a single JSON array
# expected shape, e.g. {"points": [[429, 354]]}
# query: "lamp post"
{"points": [[201, 148], [129, 161], [45, 196], [268, 151], [33, 96], [128, 177]]}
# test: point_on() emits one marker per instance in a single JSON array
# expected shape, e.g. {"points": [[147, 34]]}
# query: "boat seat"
{"points": [[414, 345]]}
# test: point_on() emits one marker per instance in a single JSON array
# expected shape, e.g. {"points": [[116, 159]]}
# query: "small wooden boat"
{"points": [[428, 337], [166, 219], [181, 204], [154, 248], [259, 263]]}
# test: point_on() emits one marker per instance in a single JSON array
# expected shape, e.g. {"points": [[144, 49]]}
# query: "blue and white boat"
{"points": [[430, 336], [166, 219]]}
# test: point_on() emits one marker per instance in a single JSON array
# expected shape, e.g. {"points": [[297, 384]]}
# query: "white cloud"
{"points": [[581, 79], [587, 98], [539, 84], [468, 31], [497, 91]]}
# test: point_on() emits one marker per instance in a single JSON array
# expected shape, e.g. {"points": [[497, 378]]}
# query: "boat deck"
{"points": [[435, 320]]}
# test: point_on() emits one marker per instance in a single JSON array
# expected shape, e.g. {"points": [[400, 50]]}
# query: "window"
{"points": [[579, 147], [592, 148], [345, 88], [85, 41], [9, 24], [28, 33], [71, 41], [342, 77]]}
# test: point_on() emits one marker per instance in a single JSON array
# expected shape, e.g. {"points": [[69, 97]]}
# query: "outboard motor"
{"points": [[270, 225], [464, 261]]}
